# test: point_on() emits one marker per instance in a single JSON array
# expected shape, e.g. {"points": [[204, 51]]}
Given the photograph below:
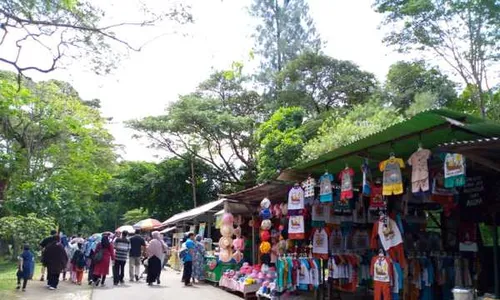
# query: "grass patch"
{"points": [[8, 277]]}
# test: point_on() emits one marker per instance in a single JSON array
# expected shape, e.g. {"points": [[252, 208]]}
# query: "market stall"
{"points": [[398, 213]]}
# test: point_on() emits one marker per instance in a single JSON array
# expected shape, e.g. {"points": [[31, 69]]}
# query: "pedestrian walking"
{"points": [[137, 247], [187, 254], [103, 255], [156, 249], [25, 265], [55, 259], [199, 260], [43, 244], [122, 249], [78, 263]]}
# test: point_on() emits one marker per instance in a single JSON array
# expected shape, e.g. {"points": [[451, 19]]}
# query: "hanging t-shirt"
{"points": [[346, 179], [315, 277], [392, 179], [376, 198], [359, 215], [381, 269], [319, 213], [454, 170], [366, 189], [296, 198], [320, 243], [304, 275], [325, 188], [336, 240], [420, 170], [308, 186], [388, 231], [296, 228]]}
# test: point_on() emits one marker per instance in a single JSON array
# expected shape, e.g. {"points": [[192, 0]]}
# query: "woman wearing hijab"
{"points": [[155, 251], [198, 260], [104, 254], [54, 257]]}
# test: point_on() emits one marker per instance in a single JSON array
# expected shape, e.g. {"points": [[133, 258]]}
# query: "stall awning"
{"points": [[211, 207], [169, 229], [273, 190], [429, 128]]}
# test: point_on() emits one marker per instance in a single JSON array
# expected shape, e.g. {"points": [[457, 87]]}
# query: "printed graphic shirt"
{"points": [[393, 181], [382, 269], [419, 162], [388, 231], [308, 186], [325, 191], [376, 198], [296, 198], [346, 178], [320, 243], [296, 227], [454, 165]]}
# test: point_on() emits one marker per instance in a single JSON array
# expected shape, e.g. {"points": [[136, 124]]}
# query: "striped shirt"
{"points": [[122, 247]]}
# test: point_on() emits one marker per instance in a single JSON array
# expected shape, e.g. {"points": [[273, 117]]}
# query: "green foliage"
{"points": [[281, 140], [133, 216], [216, 125], [319, 83], [405, 80], [467, 102], [464, 34], [284, 31], [159, 190], [423, 101], [361, 121], [58, 153], [29, 229]]}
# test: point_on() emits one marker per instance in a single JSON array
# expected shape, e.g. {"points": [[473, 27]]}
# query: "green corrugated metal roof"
{"points": [[436, 127]]}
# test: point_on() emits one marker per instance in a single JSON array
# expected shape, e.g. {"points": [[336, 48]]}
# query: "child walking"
{"points": [[78, 263], [24, 267]]}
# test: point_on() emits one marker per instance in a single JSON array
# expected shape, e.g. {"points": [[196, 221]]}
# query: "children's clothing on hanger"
{"points": [[296, 198], [376, 198], [325, 188], [319, 213], [296, 228], [454, 170], [390, 238], [346, 179], [308, 186], [320, 243], [365, 169], [420, 170], [392, 179], [383, 274]]}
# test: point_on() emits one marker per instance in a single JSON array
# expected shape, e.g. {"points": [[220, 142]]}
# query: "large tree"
{"points": [[75, 29], [57, 153], [405, 80], [285, 30], [464, 34], [215, 124], [319, 83]]}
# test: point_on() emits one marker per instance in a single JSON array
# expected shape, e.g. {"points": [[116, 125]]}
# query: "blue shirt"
{"points": [[190, 246]]}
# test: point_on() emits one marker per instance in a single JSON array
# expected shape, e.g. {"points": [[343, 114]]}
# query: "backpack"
{"points": [[80, 260]]}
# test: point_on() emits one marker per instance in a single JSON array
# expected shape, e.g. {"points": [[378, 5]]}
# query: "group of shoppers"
{"points": [[192, 254]]}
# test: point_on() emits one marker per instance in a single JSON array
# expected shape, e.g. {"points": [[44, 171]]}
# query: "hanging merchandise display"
{"points": [[392, 179], [320, 243], [366, 184], [390, 238], [295, 198], [296, 229], [319, 213], [376, 198], [383, 274], [420, 170], [346, 183], [226, 241], [325, 188], [468, 237], [454, 170], [308, 185]]}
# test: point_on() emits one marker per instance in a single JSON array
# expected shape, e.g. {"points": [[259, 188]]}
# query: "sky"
{"points": [[147, 81]]}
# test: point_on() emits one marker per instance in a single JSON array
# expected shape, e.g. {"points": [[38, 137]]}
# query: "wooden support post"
{"points": [[496, 258]]}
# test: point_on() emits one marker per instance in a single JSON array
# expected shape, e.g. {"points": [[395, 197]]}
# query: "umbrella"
{"points": [[107, 233], [147, 224], [126, 228]]}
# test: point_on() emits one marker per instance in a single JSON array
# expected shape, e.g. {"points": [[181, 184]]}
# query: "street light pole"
{"points": [[193, 182]]}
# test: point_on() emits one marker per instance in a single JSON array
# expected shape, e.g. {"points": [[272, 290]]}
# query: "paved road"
{"points": [[170, 287]]}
